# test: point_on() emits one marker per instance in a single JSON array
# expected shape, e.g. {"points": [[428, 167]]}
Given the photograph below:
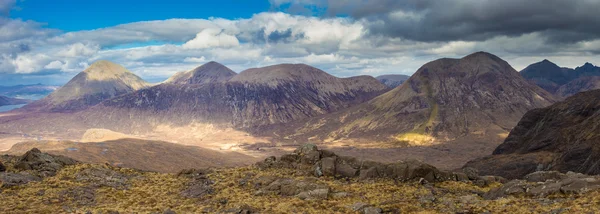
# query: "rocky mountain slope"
{"points": [[563, 82], [392, 80], [445, 99], [40, 182], [562, 137], [12, 101], [102, 80]]}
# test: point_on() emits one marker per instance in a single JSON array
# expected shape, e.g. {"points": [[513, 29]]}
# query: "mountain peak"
{"points": [[101, 80], [275, 74], [210, 72]]}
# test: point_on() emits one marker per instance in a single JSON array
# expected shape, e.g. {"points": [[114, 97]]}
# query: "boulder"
{"points": [[328, 166], [543, 176], [544, 189], [514, 187], [305, 149], [579, 186], [471, 173], [365, 208], [314, 194]]}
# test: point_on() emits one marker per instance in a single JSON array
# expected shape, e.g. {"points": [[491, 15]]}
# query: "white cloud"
{"points": [[195, 59], [79, 50], [210, 38], [54, 65]]}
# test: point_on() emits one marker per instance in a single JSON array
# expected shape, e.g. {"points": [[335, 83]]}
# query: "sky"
{"points": [[49, 42]]}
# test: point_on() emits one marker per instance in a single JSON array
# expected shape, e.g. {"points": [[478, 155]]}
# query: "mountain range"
{"points": [[447, 105], [563, 82]]}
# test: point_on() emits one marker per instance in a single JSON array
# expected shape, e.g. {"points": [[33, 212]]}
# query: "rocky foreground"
{"points": [[307, 181]]}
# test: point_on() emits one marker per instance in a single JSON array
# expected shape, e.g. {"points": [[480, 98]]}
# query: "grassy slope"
{"points": [[157, 192]]}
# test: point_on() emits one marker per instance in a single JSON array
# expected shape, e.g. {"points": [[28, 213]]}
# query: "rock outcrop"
{"points": [[308, 159], [32, 166]]}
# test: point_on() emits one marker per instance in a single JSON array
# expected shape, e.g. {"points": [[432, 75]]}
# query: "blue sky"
{"points": [[51, 41], [75, 15]]}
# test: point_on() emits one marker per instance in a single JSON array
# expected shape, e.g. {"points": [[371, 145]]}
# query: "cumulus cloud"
{"points": [[210, 38]]}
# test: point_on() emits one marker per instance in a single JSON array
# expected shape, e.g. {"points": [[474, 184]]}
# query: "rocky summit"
{"points": [[561, 137], [308, 180]]}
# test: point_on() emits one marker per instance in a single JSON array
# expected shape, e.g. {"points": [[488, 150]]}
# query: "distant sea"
{"points": [[10, 107]]}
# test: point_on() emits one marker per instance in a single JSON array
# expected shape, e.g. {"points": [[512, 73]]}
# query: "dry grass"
{"points": [[156, 192]]}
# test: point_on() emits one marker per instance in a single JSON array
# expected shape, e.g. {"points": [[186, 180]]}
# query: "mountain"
{"points": [[585, 83], [102, 80], [588, 69], [548, 75], [12, 101], [562, 137], [392, 80], [445, 98], [255, 97], [34, 92], [446, 106], [212, 72], [562, 82]]}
